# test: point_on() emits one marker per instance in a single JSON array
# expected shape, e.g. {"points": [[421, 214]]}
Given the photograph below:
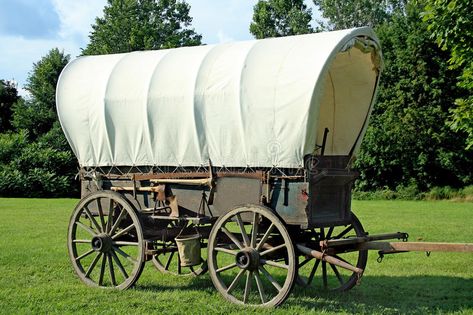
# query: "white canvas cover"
{"points": [[260, 103]]}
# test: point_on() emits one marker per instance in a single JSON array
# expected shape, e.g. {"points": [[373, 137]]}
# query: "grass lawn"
{"points": [[36, 276]]}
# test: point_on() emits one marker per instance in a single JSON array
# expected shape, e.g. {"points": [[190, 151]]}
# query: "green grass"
{"points": [[36, 276]]}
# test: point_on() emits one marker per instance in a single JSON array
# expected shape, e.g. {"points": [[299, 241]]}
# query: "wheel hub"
{"points": [[102, 243], [248, 259]]}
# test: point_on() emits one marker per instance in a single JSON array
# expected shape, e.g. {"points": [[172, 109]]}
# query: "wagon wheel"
{"points": [[321, 274], [105, 241], [251, 257], [169, 262]]}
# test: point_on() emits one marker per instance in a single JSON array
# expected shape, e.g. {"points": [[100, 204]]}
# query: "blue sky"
{"points": [[30, 28]]}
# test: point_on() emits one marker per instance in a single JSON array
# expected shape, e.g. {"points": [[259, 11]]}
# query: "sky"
{"points": [[30, 28]]}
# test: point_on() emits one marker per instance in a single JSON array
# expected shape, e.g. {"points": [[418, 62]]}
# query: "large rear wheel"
{"points": [[251, 257], [105, 241]]}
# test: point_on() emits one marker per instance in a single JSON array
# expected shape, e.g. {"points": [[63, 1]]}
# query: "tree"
{"points": [[342, 14], [130, 25], [451, 24], [8, 97], [38, 113], [36, 160], [276, 18], [408, 142]]}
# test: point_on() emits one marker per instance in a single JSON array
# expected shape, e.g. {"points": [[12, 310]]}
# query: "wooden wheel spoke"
{"points": [[225, 250], [110, 217], [102, 269], [233, 265], [313, 271], [118, 250], [265, 237], [235, 281], [329, 233], [254, 230], [117, 222], [92, 265], [324, 274], [232, 237], [119, 265], [100, 210], [122, 243], [111, 270], [179, 268], [82, 241], [125, 230], [274, 264], [246, 240], [87, 253], [270, 278], [335, 270], [92, 219], [259, 285], [344, 232], [85, 228], [168, 262], [305, 261], [249, 275], [275, 248]]}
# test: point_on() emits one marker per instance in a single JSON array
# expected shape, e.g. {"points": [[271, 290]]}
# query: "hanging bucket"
{"points": [[189, 249]]}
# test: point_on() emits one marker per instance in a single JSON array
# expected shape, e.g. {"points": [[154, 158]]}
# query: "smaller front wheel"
{"points": [[251, 257], [319, 274]]}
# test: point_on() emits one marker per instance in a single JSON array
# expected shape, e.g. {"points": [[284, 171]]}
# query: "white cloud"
{"points": [[76, 17], [230, 18], [223, 37], [19, 53]]}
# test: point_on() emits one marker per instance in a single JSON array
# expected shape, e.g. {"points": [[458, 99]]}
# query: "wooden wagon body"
{"points": [[234, 158]]}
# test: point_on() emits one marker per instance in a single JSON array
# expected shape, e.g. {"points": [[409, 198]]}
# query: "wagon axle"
{"points": [[102, 243], [248, 259]]}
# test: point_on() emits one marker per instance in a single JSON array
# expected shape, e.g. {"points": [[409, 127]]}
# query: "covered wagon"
{"points": [[232, 158]]}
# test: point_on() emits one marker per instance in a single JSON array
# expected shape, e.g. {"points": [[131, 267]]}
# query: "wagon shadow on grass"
{"points": [[392, 295], [202, 283], [377, 294]]}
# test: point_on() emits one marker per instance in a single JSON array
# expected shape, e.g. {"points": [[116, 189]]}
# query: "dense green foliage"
{"points": [[451, 24], [408, 142], [35, 159], [408, 145], [38, 278], [275, 18], [130, 25], [8, 97], [38, 113], [342, 14]]}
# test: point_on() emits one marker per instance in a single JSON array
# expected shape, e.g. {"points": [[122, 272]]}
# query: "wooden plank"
{"points": [[417, 247]]}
